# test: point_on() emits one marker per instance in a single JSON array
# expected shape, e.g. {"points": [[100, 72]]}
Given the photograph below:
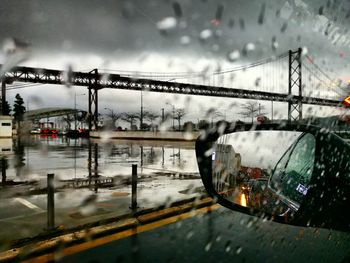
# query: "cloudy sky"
{"points": [[170, 36]]}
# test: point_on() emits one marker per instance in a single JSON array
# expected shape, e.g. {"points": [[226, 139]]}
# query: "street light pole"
{"points": [[173, 114], [75, 111]]}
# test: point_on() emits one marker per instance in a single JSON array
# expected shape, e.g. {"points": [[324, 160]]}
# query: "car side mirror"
{"points": [[288, 173]]}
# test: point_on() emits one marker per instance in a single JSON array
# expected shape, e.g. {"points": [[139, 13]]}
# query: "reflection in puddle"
{"points": [[82, 163]]}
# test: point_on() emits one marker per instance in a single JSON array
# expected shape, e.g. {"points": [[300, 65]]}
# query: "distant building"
{"points": [[5, 126], [6, 147]]}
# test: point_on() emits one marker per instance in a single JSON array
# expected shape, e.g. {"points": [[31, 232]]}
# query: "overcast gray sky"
{"points": [[170, 36]]}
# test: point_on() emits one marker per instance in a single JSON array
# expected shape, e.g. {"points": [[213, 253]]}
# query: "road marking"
{"points": [[121, 235], [28, 204], [20, 216]]}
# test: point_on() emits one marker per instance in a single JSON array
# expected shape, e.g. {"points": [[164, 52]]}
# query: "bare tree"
{"points": [[251, 110], [214, 114], [130, 117], [178, 114], [68, 119], [146, 115], [151, 116], [113, 116]]}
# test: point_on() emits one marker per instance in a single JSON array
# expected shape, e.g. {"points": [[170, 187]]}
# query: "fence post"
{"points": [[50, 202], [134, 187]]}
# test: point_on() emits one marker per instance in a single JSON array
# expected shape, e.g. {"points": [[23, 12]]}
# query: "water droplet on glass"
{"points": [[189, 235], [231, 23], [284, 27], [167, 23], [188, 135], [16, 51], [242, 24], [258, 82], [233, 56], [185, 40], [274, 44], [68, 76], [248, 48], [205, 34], [228, 246], [304, 51], [208, 247]]}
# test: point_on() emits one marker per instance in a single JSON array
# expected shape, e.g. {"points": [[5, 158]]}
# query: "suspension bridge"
{"points": [[291, 77]]}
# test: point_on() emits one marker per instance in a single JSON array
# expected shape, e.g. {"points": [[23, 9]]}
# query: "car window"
{"points": [[293, 173]]}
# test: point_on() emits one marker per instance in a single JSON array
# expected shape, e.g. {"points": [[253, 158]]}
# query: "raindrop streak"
{"points": [[284, 27], [274, 43], [238, 250], [208, 247], [242, 24], [228, 246], [68, 76], [321, 10], [262, 14], [189, 235], [177, 9], [231, 23], [219, 13]]}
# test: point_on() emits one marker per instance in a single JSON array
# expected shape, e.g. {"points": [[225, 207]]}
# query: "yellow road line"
{"points": [[124, 234]]}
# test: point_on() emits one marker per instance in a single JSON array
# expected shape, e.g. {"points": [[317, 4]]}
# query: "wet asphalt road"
{"points": [[223, 236]]}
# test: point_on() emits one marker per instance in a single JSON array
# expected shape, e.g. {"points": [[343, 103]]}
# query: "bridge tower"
{"points": [[295, 86], [93, 99]]}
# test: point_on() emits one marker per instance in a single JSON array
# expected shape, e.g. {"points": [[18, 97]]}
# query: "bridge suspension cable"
{"points": [[318, 83]]}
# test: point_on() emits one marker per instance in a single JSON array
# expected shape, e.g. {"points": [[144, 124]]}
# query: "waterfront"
{"points": [[167, 172]]}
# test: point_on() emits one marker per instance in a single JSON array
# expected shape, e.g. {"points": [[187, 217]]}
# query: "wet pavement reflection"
{"points": [[32, 158], [92, 179]]}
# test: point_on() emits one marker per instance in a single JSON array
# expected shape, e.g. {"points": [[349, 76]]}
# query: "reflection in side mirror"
{"points": [[269, 171], [289, 173]]}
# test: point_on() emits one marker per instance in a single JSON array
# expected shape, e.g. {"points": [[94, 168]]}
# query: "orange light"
{"points": [[243, 200], [346, 101]]}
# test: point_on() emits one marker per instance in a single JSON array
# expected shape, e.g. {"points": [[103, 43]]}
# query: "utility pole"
{"points": [[173, 114], [162, 115], [141, 115], [173, 118]]}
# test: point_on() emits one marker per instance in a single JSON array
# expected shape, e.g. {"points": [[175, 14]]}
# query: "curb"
{"points": [[35, 247]]}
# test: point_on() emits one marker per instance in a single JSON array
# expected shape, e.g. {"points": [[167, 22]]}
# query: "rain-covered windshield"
{"points": [[102, 103]]}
